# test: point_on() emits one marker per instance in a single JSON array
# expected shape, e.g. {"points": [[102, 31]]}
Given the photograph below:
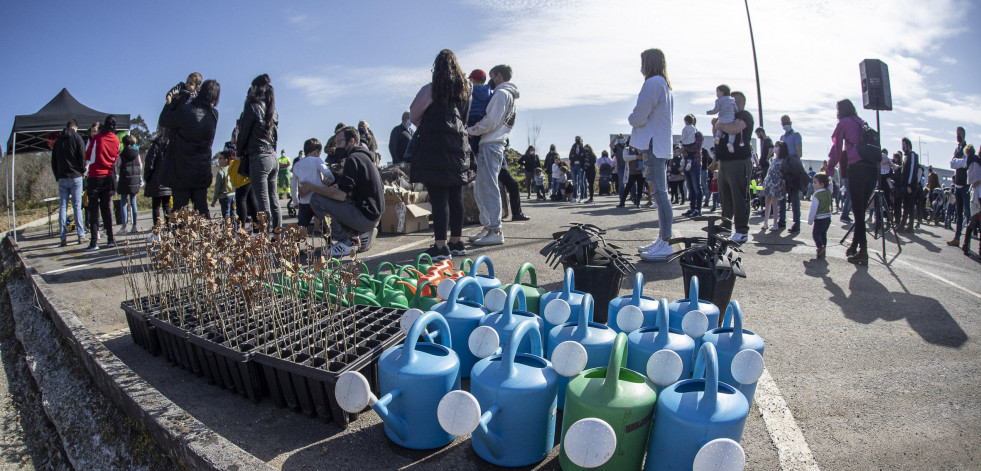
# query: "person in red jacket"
{"points": [[104, 148]]}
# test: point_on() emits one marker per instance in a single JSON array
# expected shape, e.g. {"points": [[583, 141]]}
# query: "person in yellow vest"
{"points": [[283, 184]]}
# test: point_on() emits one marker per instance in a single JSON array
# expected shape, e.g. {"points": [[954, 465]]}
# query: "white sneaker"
{"points": [[730, 148], [121, 232], [492, 238], [345, 248], [480, 235], [716, 141], [657, 242], [657, 254], [739, 237], [652, 205]]}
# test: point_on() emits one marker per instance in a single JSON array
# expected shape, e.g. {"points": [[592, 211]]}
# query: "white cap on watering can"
{"points": [[353, 393], [590, 443], [557, 311], [695, 323], [664, 367], [408, 318], [458, 413], [630, 318], [495, 300], [483, 342], [721, 454], [569, 358], [444, 288], [747, 366]]}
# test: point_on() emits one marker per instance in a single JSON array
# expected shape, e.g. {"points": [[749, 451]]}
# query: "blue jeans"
{"points": [[264, 172], [794, 206], [578, 181], [694, 178], [962, 209], [486, 191], [846, 206], [128, 200], [70, 188], [226, 207], [657, 173]]}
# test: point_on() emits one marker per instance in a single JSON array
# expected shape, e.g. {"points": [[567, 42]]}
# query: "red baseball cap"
{"points": [[478, 75]]}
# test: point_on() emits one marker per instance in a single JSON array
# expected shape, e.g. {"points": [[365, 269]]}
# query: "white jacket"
{"points": [[497, 123], [652, 118]]}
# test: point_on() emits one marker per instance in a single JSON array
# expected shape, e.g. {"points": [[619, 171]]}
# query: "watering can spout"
{"points": [[494, 442], [380, 406]]}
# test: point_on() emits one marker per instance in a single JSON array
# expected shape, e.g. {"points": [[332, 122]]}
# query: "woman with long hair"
{"points": [[652, 123], [862, 175], [441, 154], [159, 194], [129, 182], [256, 143]]}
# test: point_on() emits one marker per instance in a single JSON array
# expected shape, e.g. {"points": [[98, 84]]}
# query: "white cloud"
{"points": [[948, 60]]}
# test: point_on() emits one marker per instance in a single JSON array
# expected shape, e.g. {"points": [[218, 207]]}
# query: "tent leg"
{"points": [[13, 186]]}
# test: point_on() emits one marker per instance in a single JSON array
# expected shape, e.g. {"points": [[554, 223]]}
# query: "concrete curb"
{"points": [[186, 440]]}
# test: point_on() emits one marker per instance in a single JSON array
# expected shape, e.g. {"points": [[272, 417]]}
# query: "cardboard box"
{"points": [[401, 218]]}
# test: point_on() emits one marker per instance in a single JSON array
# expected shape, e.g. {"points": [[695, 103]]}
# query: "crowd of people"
{"points": [[462, 126]]}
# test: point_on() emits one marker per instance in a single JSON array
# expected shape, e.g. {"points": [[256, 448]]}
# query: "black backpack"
{"points": [[868, 145]]}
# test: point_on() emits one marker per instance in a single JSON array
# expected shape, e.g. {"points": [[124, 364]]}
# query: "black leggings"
{"points": [[245, 203], [861, 185], [633, 179], [590, 180], [198, 198], [507, 182], [447, 202], [99, 201], [158, 203]]}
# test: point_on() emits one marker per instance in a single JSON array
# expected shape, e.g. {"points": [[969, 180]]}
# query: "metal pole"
{"points": [[752, 40], [13, 186]]}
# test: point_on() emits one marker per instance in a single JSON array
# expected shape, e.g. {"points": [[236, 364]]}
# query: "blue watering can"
{"points": [[692, 412], [463, 315], [508, 319], [412, 378], [596, 338], [730, 341], [568, 294], [487, 282], [645, 341], [511, 411], [679, 308], [647, 305]]}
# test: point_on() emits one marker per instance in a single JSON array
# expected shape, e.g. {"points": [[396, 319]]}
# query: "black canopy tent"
{"points": [[37, 133]]}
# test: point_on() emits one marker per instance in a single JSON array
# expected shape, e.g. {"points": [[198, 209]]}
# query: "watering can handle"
{"points": [[383, 265], [568, 283], [465, 282], [530, 328], [515, 292], [408, 286], [482, 260], [707, 366], [638, 289], [420, 291], [618, 359], [734, 314], [526, 268], [693, 293], [405, 268], [418, 328], [585, 314], [663, 320], [419, 260], [464, 265], [363, 268]]}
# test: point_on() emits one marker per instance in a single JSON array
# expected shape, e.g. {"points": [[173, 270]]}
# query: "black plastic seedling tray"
{"points": [[305, 380]]}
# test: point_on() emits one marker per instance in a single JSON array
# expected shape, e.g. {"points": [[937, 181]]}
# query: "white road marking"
{"points": [[397, 249], [939, 278], [794, 453], [84, 265]]}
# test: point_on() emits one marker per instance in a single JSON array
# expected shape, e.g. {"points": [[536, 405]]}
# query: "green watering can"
{"points": [[420, 300], [423, 266], [533, 293], [390, 295], [608, 415]]}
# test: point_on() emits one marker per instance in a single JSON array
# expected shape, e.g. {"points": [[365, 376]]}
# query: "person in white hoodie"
{"points": [[652, 121], [493, 130]]}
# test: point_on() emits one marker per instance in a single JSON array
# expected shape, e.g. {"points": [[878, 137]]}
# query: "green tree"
{"points": [[140, 132]]}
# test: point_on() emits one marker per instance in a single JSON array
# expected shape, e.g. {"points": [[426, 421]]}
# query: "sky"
{"points": [[576, 63]]}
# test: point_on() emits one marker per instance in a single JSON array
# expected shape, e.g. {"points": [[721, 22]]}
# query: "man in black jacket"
{"points": [[908, 186], [356, 202], [186, 166], [399, 140], [68, 165]]}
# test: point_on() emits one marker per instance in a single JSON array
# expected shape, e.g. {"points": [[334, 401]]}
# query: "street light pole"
{"points": [[759, 94]]}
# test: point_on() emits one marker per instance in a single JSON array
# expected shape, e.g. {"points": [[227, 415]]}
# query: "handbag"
{"points": [[235, 176], [243, 167]]}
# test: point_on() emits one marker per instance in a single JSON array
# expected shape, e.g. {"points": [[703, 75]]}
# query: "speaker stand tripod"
{"points": [[883, 223]]}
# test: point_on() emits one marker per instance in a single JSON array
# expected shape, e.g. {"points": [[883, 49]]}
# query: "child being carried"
{"points": [[725, 106]]}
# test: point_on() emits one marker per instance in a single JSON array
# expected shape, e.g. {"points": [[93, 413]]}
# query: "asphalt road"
{"points": [[877, 366]]}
